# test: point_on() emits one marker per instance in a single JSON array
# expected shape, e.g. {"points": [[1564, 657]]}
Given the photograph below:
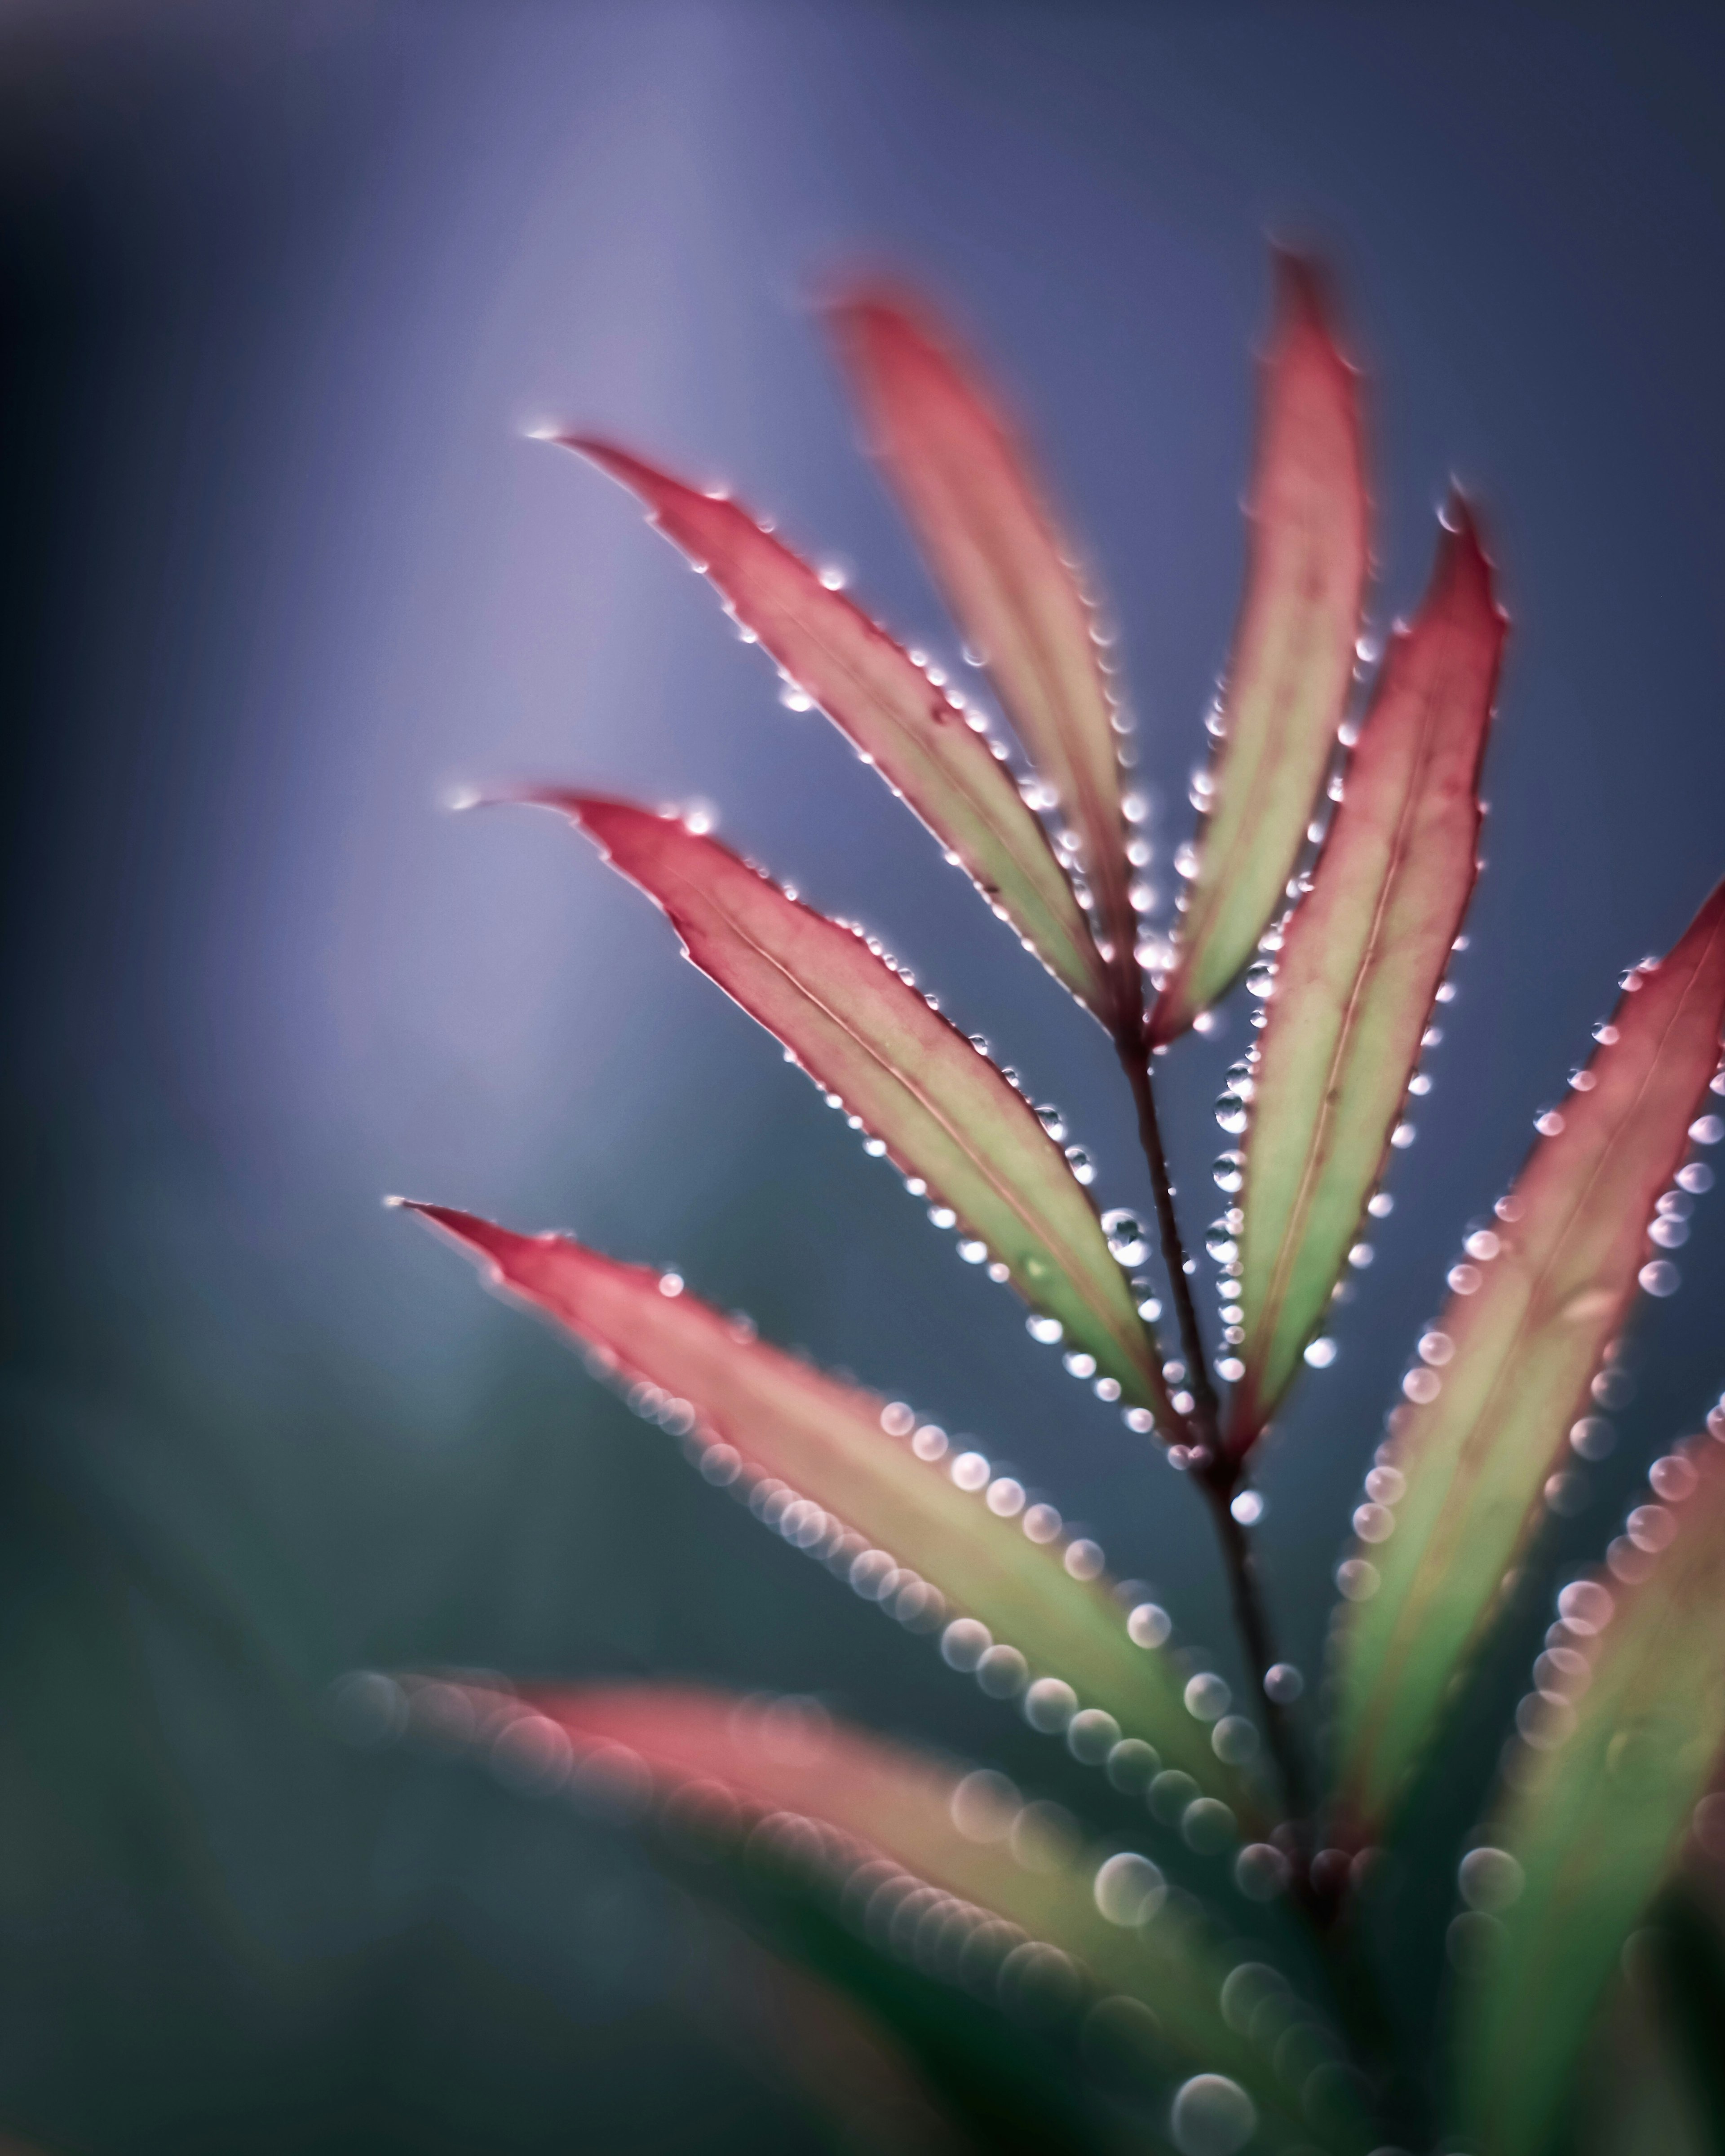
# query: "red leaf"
{"points": [[993, 548], [1508, 1364], [944, 1113], [914, 1530], [1293, 663], [901, 722], [1361, 963]]}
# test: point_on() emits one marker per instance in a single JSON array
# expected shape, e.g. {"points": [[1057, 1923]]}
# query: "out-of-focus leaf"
{"points": [[991, 546], [907, 727], [944, 1113], [950, 1869], [1288, 679], [898, 1525], [1626, 1729], [1362, 962], [1503, 1371]]}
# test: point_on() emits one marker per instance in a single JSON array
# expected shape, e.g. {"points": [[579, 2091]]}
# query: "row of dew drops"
{"points": [[1490, 1879], [895, 1909], [1593, 1437], [1050, 1705]]}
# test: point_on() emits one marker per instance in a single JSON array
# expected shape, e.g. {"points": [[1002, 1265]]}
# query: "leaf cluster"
{"points": [[1213, 1977]]}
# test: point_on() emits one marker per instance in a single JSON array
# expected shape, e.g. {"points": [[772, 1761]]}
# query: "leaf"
{"points": [[1289, 674], [993, 547], [1361, 961], [1627, 1728], [850, 1454], [946, 1117], [910, 729], [879, 1826], [1508, 1363]]}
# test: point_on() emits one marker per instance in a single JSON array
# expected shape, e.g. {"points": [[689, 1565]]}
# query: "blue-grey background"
{"points": [[286, 286]]}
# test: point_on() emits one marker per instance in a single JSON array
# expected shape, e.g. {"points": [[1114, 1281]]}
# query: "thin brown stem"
{"points": [[1220, 1480], [1135, 1062]]}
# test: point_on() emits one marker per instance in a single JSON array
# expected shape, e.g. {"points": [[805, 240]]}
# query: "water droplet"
{"points": [[1148, 1625], [972, 1251], [1585, 1607], [1380, 1206], [1129, 1889], [1283, 1683], [964, 1643], [1593, 1437], [1234, 1740], [1436, 1348], [1082, 1165], [1673, 1477], [1357, 1579], [1206, 1696], [1132, 1765], [1661, 1278], [1261, 1872], [1050, 1705], [1670, 1233], [1045, 1330], [1002, 1672], [1220, 1241], [1127, 1238], [1422, 1386], [930, 1442], [1084, 1559], [1321, 1353], [985, 1805], [1079, 1365], [1091, 1735], [942, 1216], [1707, 1130], [1231, 1113], [970, 1470], [1402, 1137], [1005, 1498], [1208, 1825], [1041, 1523], [795, 700], [1697, 1176], [670, 1283], [1247, 1506], [1465, 1279], [1230, 1369], [1490, 1879], [1260, 979], [1212, 2116]]}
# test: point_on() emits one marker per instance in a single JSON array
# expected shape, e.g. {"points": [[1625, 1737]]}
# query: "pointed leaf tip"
{"points": [[917, 732], [993, 546], [833, 1445], [1291, 672], [1545, 1288], [1360, 965]]}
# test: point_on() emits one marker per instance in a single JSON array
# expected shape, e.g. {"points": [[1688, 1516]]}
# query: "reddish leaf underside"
{"points": [[1509, 1363], [906, 1526], [991, 544], [1362, 959], [1291, 669], [944, 1113], [899, 720], [870, 1819]]}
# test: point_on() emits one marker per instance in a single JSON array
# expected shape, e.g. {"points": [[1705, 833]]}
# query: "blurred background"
{"points": [[284, 287]]}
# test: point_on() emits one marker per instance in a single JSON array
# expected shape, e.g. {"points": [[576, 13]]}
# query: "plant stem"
{"points": [[1135, 1062], [1220, 1482]]}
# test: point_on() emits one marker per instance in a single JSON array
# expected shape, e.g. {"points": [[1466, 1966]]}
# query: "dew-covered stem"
{"points": [[1220, 1482], [1134, 1057]]}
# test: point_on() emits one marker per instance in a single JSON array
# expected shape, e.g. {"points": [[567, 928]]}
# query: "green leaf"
{"points": [[993, 548], [1508, 1364], [907, 1525], [1625, 1731], [946, 1115], [938, 1865], [1289, 677], [1361, 960], [912, 730]]}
